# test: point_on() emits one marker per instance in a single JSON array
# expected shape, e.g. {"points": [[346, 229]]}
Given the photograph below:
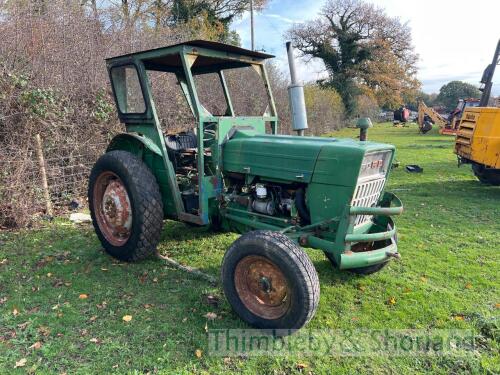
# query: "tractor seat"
{"points": [[181, 141]]}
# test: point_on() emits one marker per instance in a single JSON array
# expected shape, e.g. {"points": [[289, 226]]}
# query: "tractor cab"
{"points": [[142, 85]]}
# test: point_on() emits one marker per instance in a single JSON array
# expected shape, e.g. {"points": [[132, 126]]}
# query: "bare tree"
{"points": [[360, 45]]}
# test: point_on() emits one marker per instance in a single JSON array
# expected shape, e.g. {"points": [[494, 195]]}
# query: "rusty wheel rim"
{"points": [[262, 287], [112, 208]]}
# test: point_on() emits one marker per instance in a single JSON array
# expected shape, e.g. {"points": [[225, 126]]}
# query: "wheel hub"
{"points": [[113, 208], [262, 287], [116, 207]]}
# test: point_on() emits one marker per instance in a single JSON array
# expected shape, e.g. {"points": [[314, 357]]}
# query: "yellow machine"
{"points": [[478, 137], [427, 117]]}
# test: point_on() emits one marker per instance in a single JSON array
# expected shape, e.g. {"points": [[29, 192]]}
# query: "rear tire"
{"points": [[125, 205], [270, 281], [486, 175]]}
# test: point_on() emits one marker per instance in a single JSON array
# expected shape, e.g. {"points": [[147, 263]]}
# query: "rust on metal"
{"points": [[262, 287], [113, 209]]}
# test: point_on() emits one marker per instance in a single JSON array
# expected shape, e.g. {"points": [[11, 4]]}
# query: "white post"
{"points": [[252, 31]]}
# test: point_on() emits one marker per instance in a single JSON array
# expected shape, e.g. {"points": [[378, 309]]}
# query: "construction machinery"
{"points": [[235, 172], [427, 117], [478, 137]]}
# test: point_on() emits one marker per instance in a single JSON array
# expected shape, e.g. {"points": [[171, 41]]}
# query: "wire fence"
{"points": [[42, 178]]}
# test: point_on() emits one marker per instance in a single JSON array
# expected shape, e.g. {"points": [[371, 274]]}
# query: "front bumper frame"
{"points": [[373, 233]]}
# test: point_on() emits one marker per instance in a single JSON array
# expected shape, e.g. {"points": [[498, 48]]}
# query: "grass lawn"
{"points": [[62, 299]]}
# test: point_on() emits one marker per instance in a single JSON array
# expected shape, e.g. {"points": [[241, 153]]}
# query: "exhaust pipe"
{"points": [[296, 96]]}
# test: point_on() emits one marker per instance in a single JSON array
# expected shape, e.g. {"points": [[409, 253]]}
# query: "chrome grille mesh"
{"points": [[367, 194]]}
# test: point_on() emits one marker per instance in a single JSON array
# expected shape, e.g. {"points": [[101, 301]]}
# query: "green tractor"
{"points": [[236, 173]]}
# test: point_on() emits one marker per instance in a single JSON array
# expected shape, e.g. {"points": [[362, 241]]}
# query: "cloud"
{"points": [[283, 19], [445, 54]]}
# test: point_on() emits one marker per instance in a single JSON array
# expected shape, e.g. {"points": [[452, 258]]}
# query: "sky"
{"points": [[455, 39]]}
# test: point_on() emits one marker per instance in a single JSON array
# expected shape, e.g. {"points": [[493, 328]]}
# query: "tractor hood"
{"points": [[301, 159]]}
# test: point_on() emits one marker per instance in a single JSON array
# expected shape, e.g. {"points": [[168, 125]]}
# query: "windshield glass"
{"points": [[128, 91]]}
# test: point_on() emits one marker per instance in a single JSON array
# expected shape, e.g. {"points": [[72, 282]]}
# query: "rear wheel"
{"points": [[486, 175], [125, 205], [270, 281]]}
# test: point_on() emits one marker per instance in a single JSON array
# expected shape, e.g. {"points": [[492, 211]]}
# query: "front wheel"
{"points": [[125, 205], [270, 281], [486, 175]]}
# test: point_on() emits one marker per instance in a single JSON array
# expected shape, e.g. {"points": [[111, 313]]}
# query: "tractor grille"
{"points": [[367, 194], [464, 135]]}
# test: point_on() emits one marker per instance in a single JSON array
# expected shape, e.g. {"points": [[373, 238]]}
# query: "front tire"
{"points": [[125, 206], [486, 175], [270, 281]]}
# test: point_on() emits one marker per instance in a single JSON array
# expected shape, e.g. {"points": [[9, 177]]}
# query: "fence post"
{"points": [[43, 173]]}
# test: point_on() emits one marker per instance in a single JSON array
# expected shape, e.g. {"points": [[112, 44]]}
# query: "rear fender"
{"points": [[134, 143]]}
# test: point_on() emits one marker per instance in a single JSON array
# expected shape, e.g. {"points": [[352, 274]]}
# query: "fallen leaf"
{"points": [[15, 312], [95, 340], [459, 317], [83, 296], [3, 261], [49, 274], [21, 363], [184, 320], [198, 353], [391, 301], [148, 306], [227, 360], [497, 305], [155, 280], [93, 318], [23, 326], [206, 326], [104, 269], [361, 287], [211, 316], [468, 286], [37, 345], [3, 300], [301, 366], [34, 310], [44, 331], [127, 318]]}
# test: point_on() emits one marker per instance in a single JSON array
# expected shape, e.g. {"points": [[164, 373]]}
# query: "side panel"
{"points": [[486, 139], [280, 158]]}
